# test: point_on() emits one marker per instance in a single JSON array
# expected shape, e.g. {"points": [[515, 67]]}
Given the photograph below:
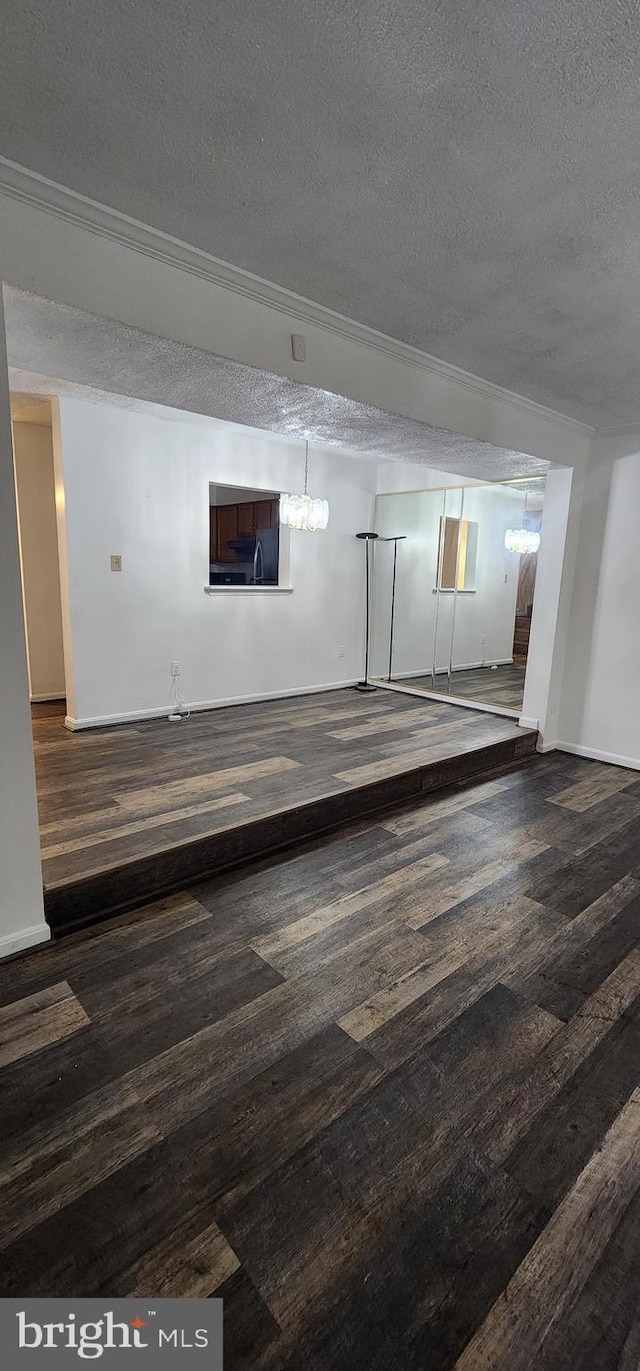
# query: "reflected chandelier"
{"points": [[522, 540], [302, 511]]}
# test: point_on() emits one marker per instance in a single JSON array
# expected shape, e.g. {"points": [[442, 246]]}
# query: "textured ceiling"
{"points": [[463, 176], [83, 350]]}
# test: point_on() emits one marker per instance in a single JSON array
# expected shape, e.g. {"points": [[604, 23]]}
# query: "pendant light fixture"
{"points": [[522, 540], [302, 511]]}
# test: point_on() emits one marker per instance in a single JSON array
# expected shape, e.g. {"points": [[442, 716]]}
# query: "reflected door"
{"points": [[450, 565]]}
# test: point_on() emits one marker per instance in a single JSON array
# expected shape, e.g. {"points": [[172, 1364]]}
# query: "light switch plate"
{"points": [[116, 563]]}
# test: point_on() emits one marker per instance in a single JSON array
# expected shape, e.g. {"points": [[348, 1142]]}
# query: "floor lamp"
{"points": [[395, 539], [365, 685]]}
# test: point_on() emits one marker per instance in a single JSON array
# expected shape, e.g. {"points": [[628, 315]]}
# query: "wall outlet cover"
{"points": [[116, 563], [298, 347]]}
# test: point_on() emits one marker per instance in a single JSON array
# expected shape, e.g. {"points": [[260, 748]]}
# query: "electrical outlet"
{"points": [[175, 668], [342, 651], [116, 563]]}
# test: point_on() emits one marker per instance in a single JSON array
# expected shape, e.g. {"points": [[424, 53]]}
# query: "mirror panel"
{"points": [[455, 618]]}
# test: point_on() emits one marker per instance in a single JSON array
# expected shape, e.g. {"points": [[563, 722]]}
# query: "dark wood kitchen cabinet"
{"points": [[239, 521], [266, 514], [246, 524], [227, 528]]}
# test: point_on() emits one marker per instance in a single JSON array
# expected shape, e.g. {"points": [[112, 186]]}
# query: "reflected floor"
{"points": [[500, 685]]}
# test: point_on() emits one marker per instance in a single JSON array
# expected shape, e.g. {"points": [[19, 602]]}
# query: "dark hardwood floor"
{"points": [[130, 812], [382, 1095], [502, 686]]}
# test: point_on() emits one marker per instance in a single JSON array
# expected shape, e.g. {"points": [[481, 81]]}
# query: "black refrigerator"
{"points": [[266, 556]]}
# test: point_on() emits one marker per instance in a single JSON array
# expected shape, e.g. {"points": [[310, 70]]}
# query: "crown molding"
{"points": [[30, 188], [618, 430]]}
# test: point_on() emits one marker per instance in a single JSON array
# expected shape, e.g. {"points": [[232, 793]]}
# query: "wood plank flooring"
{"points": [[131, 812], [501, 685], [381, 1095]]}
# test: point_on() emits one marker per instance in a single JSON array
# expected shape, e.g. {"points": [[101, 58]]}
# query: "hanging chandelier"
{"points": [[303, 511], [522, 540]]}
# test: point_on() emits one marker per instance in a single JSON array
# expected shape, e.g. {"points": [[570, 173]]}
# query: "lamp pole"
{"points": [[365, 685], [395, 539]]}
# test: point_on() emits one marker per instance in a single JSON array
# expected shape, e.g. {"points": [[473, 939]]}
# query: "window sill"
{"points": [[248, 590]]}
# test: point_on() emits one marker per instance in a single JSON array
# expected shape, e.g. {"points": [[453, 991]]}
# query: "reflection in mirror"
{"points": [[452, 602], [458, 548], [416, 516]]}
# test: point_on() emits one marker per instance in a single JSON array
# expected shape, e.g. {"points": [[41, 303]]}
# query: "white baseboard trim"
{"points": [[524, 722], [161, 711], [595, 754], [43, 699], [27, 937]]}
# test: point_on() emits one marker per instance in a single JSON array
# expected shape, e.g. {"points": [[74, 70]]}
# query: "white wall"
{"points": [[21, 907], [397, 477], [552, 602], [599, 712], [475, 628], [138, 485], [35, 485]]}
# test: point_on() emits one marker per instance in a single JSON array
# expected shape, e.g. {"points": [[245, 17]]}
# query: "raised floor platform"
{"points": [[131, 812]]}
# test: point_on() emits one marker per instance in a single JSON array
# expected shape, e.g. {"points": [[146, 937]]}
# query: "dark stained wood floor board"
{"points": [[38, 1020], [130, 813], [379, 1092], [548, 1158], [558, 1266], [377, 1160], [602, 1329]]}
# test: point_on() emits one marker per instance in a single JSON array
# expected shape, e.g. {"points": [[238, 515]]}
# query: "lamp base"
{"points": [[365, 686]]}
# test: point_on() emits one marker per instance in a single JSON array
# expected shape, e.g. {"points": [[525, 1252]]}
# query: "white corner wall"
{"points": [[599, 713], [138, 485], [21, 905], [35, 486]]}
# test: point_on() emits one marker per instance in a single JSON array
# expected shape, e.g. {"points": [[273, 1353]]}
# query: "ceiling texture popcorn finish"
{"points": [[55, 349], [461, 177]]}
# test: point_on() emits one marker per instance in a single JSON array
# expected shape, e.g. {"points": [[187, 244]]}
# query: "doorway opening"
{"points": [[31, 424]]}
